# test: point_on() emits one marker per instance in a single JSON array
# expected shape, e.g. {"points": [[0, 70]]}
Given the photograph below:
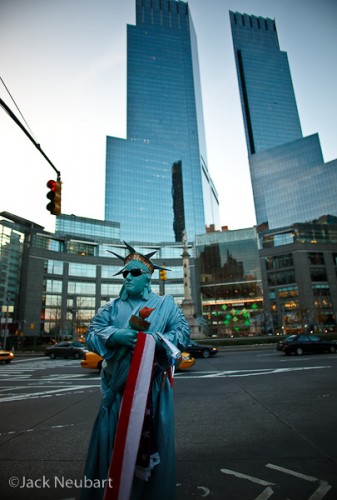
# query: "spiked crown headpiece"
{"points": [[133, 255]]}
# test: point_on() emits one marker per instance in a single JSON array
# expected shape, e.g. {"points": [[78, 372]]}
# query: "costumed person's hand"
{"points": [[124, 337]]}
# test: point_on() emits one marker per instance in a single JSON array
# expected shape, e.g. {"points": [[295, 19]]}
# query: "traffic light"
{"points": [[54, 195], [162, 275]]}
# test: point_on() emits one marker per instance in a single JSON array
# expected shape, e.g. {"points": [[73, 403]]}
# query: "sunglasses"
{"points": [[133, 272]]}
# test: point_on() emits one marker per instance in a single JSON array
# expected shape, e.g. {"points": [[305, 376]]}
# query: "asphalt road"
{"points": [[249, 426]]}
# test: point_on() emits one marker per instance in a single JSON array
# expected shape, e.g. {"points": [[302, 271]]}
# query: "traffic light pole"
{"points": [[17, 121]]}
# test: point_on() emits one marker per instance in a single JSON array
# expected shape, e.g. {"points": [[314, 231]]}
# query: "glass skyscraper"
{"points": [[157, 179], [291, 183]]}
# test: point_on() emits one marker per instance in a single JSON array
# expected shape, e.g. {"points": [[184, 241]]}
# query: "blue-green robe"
{"points": [[167, 318]]}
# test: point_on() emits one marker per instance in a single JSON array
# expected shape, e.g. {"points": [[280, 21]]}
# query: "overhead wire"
{"points": [[17, 107]]}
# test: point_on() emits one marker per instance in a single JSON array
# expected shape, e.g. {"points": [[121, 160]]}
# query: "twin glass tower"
{"points": [[157, 179], [291, 183]]}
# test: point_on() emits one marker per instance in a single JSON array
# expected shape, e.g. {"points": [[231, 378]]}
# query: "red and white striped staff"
{"points": [[131, 418]]}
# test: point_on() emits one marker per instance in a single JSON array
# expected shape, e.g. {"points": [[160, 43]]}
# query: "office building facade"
{"points": [[53, 283], [145, 191], [299, 276], [228, 268], [243, 282], [291, 183]]}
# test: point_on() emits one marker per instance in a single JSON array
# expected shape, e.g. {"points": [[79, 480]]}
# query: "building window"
{"points": [[279, 261], [80, 248], [77, 302], [109, 271], [175, 289], [54, 267], [82, 270], [54, 286], [53, 300], [52, 314], [318, 274], [316, 258], [39, 241], [80, 317], [281, 278], [290, 291], [321, 290], [277, 240], [81, 288], [52, 328], [110, 289]]}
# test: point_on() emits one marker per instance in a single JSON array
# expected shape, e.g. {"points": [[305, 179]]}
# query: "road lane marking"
{"points": [[268, 492], [44, 394], [253, 479], [292, 473], [321, 491], [38, 429], [28, 359], [51, 378], [318, 494], [244, 373]]}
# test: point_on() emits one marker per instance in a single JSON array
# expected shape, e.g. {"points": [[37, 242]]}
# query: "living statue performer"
{"points": [[113, 335]]}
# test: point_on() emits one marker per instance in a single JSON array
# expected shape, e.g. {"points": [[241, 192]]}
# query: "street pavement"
{"points": [[249, 426]]}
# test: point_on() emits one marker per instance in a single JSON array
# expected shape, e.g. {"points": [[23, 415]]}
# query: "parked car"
{"points": [[75, 350], [93, 361], [200, 350], [6, 356], [302, 343]]}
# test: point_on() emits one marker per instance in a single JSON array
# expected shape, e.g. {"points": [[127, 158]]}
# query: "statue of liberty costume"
{"points": [[111, 336]]}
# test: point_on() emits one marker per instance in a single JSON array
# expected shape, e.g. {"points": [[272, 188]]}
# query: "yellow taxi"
{"points": [[187, 361], [93, 361], [6, 356]]}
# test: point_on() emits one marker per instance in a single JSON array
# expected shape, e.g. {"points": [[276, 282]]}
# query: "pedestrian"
{"points": [[113, 336]]}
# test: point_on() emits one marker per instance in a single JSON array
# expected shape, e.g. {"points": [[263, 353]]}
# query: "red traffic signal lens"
{"points": [[51, 185]]}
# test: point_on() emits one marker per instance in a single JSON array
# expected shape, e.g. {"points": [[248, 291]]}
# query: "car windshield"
{"points": [[68, 344], [291, 338]]}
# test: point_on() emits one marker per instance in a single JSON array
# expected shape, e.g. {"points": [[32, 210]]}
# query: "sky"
{"points": [[64, 63]]}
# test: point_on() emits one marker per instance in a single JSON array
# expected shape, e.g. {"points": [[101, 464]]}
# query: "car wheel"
{"points": [[206, 353], [52, 355], [299, 351], [76, 355], [332, 349]]}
